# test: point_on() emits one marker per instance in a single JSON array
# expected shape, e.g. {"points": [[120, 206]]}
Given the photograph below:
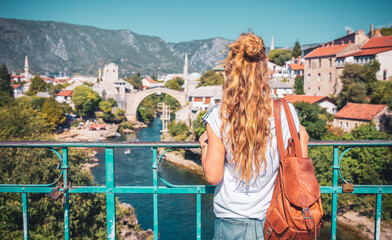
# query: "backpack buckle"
{"points": [[269, 230], [306, 213]]}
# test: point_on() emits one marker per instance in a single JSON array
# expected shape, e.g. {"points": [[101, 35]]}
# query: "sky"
{"points": [[176, 21]]}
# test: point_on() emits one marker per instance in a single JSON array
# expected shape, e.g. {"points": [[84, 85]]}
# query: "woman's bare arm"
{"points": [[303, 139], [213, 156]]}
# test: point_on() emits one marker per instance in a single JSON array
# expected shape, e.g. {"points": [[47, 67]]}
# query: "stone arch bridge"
{"points": [[133, 99]]}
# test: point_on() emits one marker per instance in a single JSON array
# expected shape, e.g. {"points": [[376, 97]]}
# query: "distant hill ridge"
{"points": [[57, 46]]}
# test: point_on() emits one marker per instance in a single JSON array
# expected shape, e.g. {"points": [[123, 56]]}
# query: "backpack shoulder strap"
{"points": [[293, 129], [278, 129]]}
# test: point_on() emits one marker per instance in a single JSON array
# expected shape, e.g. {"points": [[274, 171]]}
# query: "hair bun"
{"points": [[253, 47]]}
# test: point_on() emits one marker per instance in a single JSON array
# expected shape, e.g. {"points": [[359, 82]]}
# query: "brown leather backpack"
{"points": [[295, 211]]}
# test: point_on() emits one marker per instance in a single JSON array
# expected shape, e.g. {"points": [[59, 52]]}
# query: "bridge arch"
{"points": [[133, 99]]}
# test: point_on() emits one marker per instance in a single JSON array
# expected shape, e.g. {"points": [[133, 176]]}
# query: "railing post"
{"points": [[110, 198], [25, 216], [66, 195], [198, 214], [335, 173], [377, 217], [155, 194]]}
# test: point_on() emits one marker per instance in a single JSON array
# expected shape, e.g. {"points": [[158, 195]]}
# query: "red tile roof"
{"points": [[360, 111], [300, 66], [17, 76], [379, 42], [304, 98], [150, 80], [326, 51], [15, 86], [374, 46], [65, 93]]}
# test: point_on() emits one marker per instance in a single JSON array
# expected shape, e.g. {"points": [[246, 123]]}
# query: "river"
{"points": [[177, 212]]}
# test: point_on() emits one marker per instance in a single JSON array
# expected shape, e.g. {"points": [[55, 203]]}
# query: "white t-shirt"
{"points": [[232, 197]]}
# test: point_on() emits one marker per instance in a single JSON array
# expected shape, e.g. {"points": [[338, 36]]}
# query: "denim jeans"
{"points": [[238, 229]]}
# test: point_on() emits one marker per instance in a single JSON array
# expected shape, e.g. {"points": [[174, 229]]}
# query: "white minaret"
{"points": [[99, 74], [272, 44], [186, 74], [27, 75]]}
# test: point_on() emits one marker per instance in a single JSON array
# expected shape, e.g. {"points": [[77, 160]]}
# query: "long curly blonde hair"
{"points": [[245, 105]]}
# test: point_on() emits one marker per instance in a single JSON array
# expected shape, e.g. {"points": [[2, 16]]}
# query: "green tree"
{"points": [[386, 31], [279, 56], [176, 129], [105, 106], [53, 112], [299, 85], [85, 100], [5, 99], [211, 78], [5, 81], [19, 122], [135, 80], [358, 81], [37, 85], [297, 50], [313, 118], [382, 93], [198, 126], [173, 84], [35, 102]]}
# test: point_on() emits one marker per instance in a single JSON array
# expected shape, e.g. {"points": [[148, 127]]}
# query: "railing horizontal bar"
{"points": [[359, 189], [344, 143]]}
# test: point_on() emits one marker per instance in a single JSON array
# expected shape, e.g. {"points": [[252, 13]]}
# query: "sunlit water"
{"points": [[177, 212]]}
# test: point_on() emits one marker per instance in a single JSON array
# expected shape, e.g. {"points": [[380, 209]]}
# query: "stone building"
{"points": [[355, 114], [379, 48], [113, 87], [321, 76]]}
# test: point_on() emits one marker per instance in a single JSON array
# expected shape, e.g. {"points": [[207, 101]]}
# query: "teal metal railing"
{"points": [[110, 189]]}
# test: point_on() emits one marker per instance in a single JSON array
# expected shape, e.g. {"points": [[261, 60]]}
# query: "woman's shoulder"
{"points": [[213, 112]]}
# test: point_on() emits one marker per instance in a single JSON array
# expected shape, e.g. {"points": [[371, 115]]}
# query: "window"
{"points": [[384, 75], [346, 125], [330, 62], [319, 77], [308, 77], [356, 124], [330, 77], [318, 88], [341, 123], [198, 99], [309, 63], [308, 88], [319, 62], [216, 101], [208, 100], [114, 70]]}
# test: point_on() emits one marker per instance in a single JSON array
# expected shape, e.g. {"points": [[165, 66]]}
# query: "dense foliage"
{"points": [[178, 130], [313, 118], [296, 50], [386, 31], [37, 85], [5, 81], [149, 105], [85, 99], [53, 112], [211, 78], [19, 121], [175, 84], [198, 126], [358, 83], [279, 56], [299, 85], [135, 80]]}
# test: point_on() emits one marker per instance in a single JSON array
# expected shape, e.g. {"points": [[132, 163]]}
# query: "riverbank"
{"points": [[364, 225]]}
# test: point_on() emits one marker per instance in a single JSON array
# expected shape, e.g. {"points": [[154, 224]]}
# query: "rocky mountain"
{"points": [[56, 46]]}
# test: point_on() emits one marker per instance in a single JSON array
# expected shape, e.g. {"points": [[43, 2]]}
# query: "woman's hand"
{"points": [[203, 140], [303, 139]]}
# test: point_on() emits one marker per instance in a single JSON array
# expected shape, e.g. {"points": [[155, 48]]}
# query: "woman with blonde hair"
{"points": [[239, 148]]}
